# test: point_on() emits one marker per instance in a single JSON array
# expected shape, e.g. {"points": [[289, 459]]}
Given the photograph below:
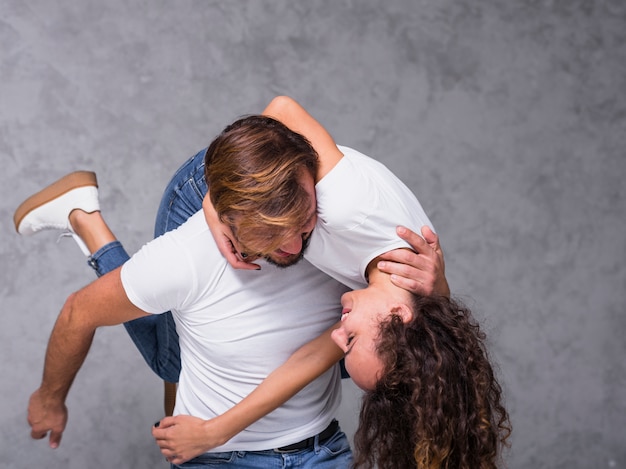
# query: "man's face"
{"points": [[281, 258], [292, 247]]}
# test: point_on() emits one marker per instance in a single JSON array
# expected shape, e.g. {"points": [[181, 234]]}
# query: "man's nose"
{"points": [[293, 245]]}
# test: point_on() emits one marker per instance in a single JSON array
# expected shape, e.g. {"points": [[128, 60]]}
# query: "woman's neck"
{"points": [[382, 281]]}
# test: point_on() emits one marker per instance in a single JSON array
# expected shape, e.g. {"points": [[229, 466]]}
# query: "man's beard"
{"points": [[284, 262]]}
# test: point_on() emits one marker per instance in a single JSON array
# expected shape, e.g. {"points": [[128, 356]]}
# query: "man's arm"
{"points": [[102, 303], [184, 437], [420, 271]]}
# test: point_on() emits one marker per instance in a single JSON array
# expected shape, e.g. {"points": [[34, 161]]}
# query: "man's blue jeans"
{"points": [[155, 335]]}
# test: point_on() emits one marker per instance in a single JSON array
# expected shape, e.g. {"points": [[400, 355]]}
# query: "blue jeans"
{"points": [[333, 453], [155, 335]]}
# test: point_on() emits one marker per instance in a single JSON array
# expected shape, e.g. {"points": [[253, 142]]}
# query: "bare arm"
{"points": [[183, 437], [102, 303], [290, 113]]}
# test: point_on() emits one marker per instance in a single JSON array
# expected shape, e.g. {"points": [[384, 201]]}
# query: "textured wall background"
{"points": [[508, 120]]}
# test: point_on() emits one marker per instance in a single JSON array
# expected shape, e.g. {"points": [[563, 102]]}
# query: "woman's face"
{"points": [[363, 310]]}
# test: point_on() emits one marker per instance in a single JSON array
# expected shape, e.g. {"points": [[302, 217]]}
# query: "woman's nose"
{"points": [[340, 337]]}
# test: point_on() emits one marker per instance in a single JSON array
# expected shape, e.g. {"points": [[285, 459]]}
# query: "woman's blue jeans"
{"points": [[155, 335]]}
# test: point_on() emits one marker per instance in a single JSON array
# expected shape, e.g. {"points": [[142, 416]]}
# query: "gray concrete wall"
{"points": [[507, 119]]}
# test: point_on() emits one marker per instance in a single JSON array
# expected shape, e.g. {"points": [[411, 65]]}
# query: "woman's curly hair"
{"points": [[438, 404]]}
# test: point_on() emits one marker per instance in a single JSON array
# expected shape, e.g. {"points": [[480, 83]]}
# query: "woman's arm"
{"points": [[296, 118], [183, 437]]}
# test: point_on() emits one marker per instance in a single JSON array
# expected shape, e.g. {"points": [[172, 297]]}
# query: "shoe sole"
{"points": [[56, 189]]}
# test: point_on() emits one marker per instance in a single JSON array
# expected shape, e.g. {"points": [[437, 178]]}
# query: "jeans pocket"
{"points": [[336, 444]]}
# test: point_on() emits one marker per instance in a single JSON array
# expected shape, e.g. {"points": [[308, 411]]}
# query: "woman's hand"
{"points": [[184, 437], [225, 239]]}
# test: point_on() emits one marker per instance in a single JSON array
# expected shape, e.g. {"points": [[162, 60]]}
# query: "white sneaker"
{"points": [[50, 208]]}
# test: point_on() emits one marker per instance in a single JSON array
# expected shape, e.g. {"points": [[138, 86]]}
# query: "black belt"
{"points": [[329, 431]]}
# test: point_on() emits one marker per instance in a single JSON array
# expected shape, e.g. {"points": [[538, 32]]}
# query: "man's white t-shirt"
{"points": [[235, 328]]}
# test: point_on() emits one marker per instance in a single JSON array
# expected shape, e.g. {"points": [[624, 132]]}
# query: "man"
{"points": [[228, 300]]}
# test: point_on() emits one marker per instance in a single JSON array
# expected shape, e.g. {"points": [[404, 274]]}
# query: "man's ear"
{"points": [[402, 310]]}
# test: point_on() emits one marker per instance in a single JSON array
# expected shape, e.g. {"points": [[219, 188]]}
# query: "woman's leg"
{"points": [[155, 336], [71, 206], [183, 195], [181, 199]]}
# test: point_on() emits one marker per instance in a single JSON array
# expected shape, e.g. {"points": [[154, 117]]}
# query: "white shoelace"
{"points": [[79, 241]]}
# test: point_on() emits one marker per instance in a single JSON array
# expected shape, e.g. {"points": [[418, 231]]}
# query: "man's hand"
{"points": [[45, 415], [184, 437], [422, 271], [225, 239]]}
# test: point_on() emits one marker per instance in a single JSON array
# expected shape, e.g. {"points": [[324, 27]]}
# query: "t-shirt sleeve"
{"points": [[159, 277]]}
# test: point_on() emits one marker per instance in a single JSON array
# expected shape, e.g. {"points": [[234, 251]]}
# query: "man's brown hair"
{"points": [[253, 170]]}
